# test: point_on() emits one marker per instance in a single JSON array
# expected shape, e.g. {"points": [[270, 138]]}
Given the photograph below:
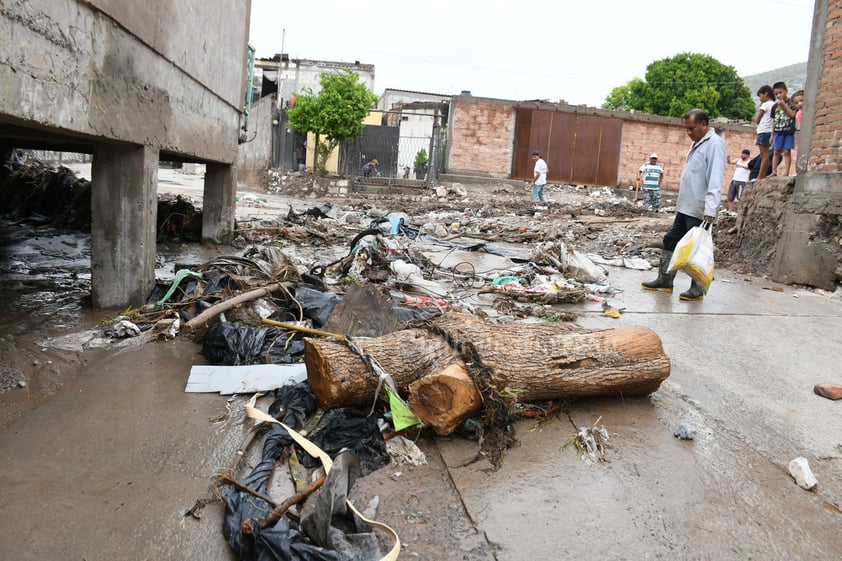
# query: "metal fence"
{"points": [[398, 156]]}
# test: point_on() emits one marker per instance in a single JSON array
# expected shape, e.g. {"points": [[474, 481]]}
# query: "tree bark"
{"points": [[540, 360], [340, 378]]}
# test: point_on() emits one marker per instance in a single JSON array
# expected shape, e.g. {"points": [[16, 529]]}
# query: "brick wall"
{"points": [[670, 141], [826, 141], [481, 137]]}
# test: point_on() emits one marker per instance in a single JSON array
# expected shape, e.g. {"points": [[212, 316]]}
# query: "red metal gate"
{"points": [[577, 148]]}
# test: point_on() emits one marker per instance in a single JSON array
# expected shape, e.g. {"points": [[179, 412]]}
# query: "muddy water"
{"points": [[45, 280]]}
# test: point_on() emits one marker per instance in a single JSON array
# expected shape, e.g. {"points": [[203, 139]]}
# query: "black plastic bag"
{"points": [[234, 344], [316, 305], [297, 402], [340, 429]]}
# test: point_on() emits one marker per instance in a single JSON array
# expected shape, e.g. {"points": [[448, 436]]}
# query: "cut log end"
{"points": [[445, 399]]}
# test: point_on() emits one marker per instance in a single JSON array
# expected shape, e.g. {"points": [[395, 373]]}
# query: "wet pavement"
{"points": [[107, 467], [744, 363]]}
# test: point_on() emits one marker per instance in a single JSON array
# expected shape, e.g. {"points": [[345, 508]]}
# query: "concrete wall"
{"points": [[299, 74], [169, 75], [254, 157], [131, 83], [390, 97], [808, 252]]}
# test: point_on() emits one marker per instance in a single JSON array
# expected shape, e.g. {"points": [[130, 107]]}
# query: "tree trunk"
{"points": [[540, 360]]}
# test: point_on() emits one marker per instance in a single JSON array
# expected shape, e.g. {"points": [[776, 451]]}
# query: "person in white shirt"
{"points": [[741, 172], [539, 178], [765, 125]]}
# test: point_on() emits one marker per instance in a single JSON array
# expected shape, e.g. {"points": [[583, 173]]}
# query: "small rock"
{"points": [[799, 469], [828, 390], [685, 431]]}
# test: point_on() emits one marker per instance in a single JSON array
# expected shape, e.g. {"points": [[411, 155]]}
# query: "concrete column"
{"points": [[220, 203], [124, 210]]}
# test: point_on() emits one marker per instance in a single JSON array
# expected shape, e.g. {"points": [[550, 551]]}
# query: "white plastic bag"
{"points": [[694, 254]]}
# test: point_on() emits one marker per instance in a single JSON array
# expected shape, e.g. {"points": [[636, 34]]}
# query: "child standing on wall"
{"points": [[765, 125], [783, 113]]}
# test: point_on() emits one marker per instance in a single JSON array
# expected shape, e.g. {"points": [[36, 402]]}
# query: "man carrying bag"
{"points": [[699, 193]]}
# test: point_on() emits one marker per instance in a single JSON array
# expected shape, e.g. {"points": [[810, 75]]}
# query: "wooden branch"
{"points": [[270, 519], [228, 478], [217, 309]]}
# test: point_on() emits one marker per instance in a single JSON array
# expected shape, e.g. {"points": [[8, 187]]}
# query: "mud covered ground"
{"points": [[44, 272]]}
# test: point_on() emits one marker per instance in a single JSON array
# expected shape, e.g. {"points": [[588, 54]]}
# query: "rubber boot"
{"points": [[695, 292], [664, 280]]}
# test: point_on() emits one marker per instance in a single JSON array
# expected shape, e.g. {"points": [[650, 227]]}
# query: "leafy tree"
{"points": [[624, 98], [682, 82], [336, 113]]}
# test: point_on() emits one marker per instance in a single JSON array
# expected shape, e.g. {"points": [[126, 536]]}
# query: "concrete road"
{"points": [[106, 469], [744, 363]]}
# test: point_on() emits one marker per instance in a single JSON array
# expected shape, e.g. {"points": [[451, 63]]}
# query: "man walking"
{"points": [[699, 193], [539, 178]]}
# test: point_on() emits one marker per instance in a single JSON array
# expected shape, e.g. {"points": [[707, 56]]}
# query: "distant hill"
{"points": [[794, 75]]}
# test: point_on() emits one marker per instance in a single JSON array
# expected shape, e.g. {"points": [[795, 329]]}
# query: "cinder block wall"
{"points": [[667, 138]]}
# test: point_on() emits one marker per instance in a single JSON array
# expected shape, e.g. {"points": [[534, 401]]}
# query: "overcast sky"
{"points": [[535, 49]]}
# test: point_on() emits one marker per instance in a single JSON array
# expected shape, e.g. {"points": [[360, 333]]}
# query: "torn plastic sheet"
{"points": [[316, 305], [340, 429], [234, 344]]}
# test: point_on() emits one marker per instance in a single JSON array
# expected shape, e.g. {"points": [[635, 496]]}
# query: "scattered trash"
{"points": [[685, 431], [773, 288], [125, 328], [611, 311], [233, 344], [229, 380], [405, 452], [590, 442], [799, 469]]}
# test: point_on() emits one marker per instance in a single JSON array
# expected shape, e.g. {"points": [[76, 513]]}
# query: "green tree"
{"points": [[625, 97], [336, 113], [682, 82]]}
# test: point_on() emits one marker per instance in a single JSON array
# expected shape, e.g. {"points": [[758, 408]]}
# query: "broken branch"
{"points": [[217, 309]]}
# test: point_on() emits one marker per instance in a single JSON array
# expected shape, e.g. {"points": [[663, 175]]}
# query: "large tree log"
{"points": [[543, 360]]}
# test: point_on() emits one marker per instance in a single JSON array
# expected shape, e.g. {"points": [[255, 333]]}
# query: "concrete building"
{"points": [[288, 76], [130, 83], [392, 98]]}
